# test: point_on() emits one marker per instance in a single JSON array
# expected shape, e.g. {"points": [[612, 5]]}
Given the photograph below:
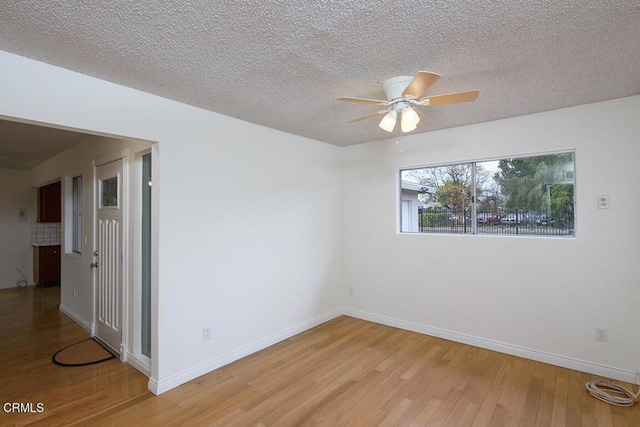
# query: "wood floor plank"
{"points": [[559, 412], [426, 413]]}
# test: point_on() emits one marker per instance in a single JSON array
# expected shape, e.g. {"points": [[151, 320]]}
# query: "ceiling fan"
{"points": [[403, 94]]}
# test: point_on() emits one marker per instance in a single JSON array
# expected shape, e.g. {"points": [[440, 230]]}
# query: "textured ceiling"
{"points": [[282, 63], [24, 146]]}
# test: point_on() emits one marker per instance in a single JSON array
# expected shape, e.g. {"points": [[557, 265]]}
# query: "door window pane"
{"points": [[109, 193]]}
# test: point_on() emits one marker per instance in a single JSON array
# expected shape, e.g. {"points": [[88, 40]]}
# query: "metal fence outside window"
{"points": [[504, 222]]}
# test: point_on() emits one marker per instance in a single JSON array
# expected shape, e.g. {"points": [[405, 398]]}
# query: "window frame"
{"points": [[76, 214], [474, 208]]}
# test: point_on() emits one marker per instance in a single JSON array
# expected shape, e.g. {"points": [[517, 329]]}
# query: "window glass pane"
{"points": [[109, 196], [442, 199], [77, 215], [522, 196], [526, 195]]}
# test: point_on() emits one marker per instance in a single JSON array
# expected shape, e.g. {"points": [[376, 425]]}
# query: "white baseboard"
{"points": [[160, 387], [140, 366], [9, 285], [79, 320], [527, 353], [152, 385]]}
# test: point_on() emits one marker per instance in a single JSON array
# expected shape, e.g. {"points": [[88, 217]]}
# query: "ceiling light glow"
{"points": [[410, 120], [388, 122]]}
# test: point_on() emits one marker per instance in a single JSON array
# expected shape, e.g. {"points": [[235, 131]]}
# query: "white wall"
{"points": [[542, 294], [248, 217], [249, 237], [15, 252]]}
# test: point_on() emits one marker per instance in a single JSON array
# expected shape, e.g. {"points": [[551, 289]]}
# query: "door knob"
{"points": [[94, 265]]}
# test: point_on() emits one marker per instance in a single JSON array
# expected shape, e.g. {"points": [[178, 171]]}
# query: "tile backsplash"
{"points": [[44, 233]]}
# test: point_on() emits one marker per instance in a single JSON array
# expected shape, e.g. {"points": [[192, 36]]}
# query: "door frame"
{"points": [[124, 303]]}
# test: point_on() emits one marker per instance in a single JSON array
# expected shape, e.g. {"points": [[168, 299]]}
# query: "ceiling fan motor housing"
{"points": [[394, 86]]}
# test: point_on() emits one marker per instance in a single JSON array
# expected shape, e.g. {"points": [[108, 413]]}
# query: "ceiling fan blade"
{"points": [[375, 113], [451, 98], [420, 83], [363, 100]]}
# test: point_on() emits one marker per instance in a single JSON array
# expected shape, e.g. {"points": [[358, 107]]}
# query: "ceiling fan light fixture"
{"points": [[403, 93], [388, 122], [410, 120]]}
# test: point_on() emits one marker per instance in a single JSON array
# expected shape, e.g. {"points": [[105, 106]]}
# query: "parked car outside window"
{"points": [[511, 219], [488, 218]]}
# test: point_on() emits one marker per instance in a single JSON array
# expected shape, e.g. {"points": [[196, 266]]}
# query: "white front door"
{"points": [[108, 271]]}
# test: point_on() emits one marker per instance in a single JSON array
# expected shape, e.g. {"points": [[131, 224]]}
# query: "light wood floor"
{"points": [[31, 331], [346, 372]]}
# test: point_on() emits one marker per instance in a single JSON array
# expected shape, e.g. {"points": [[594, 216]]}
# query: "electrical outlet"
{"points": [[350, 290], [601, 335], [206, 334], [603, 201], [74, 294]]}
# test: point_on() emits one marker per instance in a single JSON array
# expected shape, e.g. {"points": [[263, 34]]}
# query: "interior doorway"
{"points": [[79, 240]]}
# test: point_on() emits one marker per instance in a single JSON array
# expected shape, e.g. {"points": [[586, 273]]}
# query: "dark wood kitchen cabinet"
{"points": [[49, 203], [46, 265]]}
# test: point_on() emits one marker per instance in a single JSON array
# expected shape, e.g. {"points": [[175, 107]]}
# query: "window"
{"points": [[522, 195], [76, 236]]}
